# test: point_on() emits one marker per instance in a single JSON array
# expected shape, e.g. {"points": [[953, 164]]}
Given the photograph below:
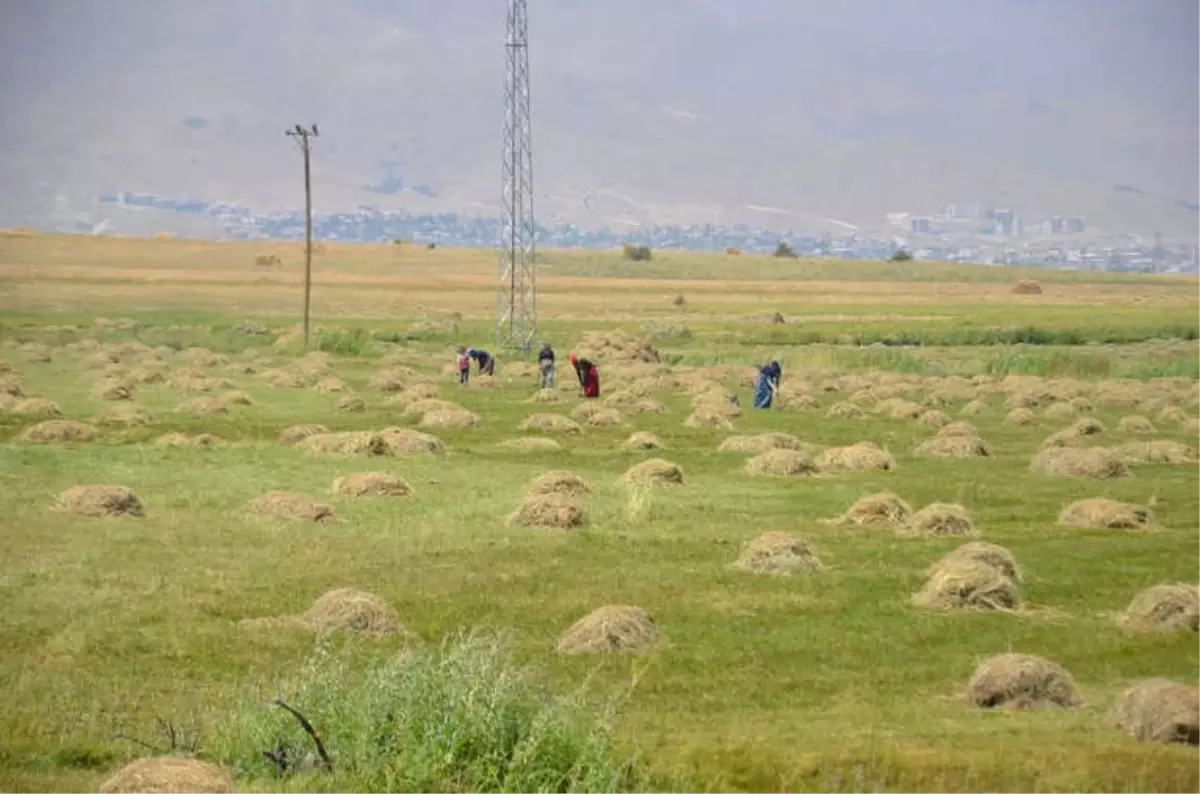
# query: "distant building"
{"points": [[1004, 222], [1074, 225], [921, 226]]}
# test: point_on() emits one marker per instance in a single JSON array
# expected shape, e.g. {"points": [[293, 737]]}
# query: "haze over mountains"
{"points": [[778, 113]]}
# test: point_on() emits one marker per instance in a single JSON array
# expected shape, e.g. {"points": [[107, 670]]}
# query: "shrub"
{"points": [[901, 256], [636, 253], [345, 342], [784, 250]]}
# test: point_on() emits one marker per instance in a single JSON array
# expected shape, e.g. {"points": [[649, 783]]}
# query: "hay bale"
{"points": [[606, 417], [169, 774], [330, 385], [1087, 426], [1060, 411], [952, 447], [404, 441], [959, 429], [781, 463], [879, 509], [294, 434], [655, 471], [856, 457], [642, 441], [549, 511], [968, 584], [982, 553], [371, 483], [647, 406], [442, 419], [290, 506], [346, 609], [551, 423], [98, 501], [1159, 710], [1095, 463], [1021, 681], [1164, 607], [896, 408], [59, 431], [1019, 417], [754, 445], [36, 406], [125, 416], [1135, 424], [794, 401], [1027, 288], [611, 628], [1064, 438], [531, 444], [974, 408], [934, 418], [941, 519], [1105, 514], [778, 553], [706, 417], [559, 482], [845, 411], [1159, 451]]}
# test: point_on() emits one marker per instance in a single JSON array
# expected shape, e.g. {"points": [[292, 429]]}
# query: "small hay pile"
{"points": [[531, 444], [36, 406], [559, 482], [845, 411], [358, 442], [934, 418], [1159, 710], [59, 431], [856, 457], [1164, 607], [1027, 288], [958, 429], [642, 441], [941, 519], [778, 553], [608, 629], [1105, 514], [799, 401], [754, 445], [979, 552], [616, 347], [1021, 681], [1087, 426], [605, 417], [351, 404], [1019, 417], [202, 406], [330, 384], [294, 434], [974, 408], [405, 441], [1158, 451], [457, 418], [125, 416], [169, 774], [955, 446], [235, 398], [277, 379], [655, 471], [897, 408], [98, 501], [12, 387], [419, 408], [547, 397], [290, 506], [549, 511], [551, 423], [705, 416], [1172, 415], [387, 380], [1095, 463], [346, 609], [113, 391], [371, 483], [204, 440], [880, 509], [1059, 411], [1064, 438], [781, 463], [968, 584], [1135, 424]]}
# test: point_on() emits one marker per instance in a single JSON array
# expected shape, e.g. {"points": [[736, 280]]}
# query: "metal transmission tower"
{"points": [[518, 275]]}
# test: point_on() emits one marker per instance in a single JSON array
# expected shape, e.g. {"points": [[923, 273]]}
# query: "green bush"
{"points": [[784, 250], [345, 342], [636, 253]]}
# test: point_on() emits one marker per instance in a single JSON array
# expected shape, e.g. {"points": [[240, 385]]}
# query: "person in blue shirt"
{"points": [[767, 385], [487, 364]]}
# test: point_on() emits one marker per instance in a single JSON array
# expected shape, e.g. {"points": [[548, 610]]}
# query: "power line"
{"points": [[303, 137]]}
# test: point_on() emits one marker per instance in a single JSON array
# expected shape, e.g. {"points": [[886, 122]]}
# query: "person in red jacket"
{"points": [[588, 375]]}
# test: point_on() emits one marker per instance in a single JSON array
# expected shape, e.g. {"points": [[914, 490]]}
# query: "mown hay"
{"points": [[125, 416], [1105, 514], [387, 380], [1064, 438], [952, 447], [1021, 681], [845, 411], [647, 406], [1096, 463], [202, 406], [968, 584], [346, 609], [371, 483], [1164, 607], [458, 418], [1019, 417], [113, 390], [559, 482], [283, 380], [235, 398], [778, 553], [329, 385], [519, 369], [1135, 424], [531, 444], [896, 408], [1159, 710], [549, 511], [404, 441], [959, 429], [1087, 426], [172, 440], [799, 401], [59, 431], [934, 418], [706, 417], [1172, 415], [982, 553], [616, 346], [98, 501], [12, 387], [605, 417], [754, 445], [429, 405], [856, 457], [1027, 288], [169, 774], [294, 434], [547, 397], [610, 628], [781, 463], [360, 442], [1158, 451], [1059, 411], [941, 519], [655, 471], [351, 404], [290, 506], [974, 408], [642, 441], [36, 406], [879, 509]]}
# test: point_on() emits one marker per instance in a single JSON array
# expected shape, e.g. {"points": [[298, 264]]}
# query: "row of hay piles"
{"points": [[885, 509], [390, 441], [616, 347], [796, 458]]}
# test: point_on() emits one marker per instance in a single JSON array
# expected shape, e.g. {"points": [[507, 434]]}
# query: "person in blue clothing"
{"points": [[767, 384], [546, 366], [487, 364]]}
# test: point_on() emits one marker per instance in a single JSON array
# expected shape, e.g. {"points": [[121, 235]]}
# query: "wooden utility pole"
{"points": [[304, 138]]}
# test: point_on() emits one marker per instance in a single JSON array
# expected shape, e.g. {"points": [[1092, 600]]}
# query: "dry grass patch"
{"points": [[856, 457], [460, 418], [551, 423], [879, 509], [655, 471], [531, 444], [98, 501], [1164, 607], [36, 406], [294, 434], [1105, 514], [968, 584], [981, 553], [779, 553], [1021, 681], [1159, 710], [941, 519], [202, 406], [642, 441], [169, 774], [290, 506], [371, 483], [12, 387], [59, 431], [963, 446], [125, 416], [609, 629], [781, 463], [1158, 451], [1095, 463]]}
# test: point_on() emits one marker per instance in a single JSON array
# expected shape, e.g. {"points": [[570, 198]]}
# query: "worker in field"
{"points": [[485, 360], [767, 385], [546, 367], [463, 362], [589, 376]]}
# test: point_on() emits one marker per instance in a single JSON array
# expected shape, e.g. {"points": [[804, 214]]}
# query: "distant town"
{"points": [[974, 234]]}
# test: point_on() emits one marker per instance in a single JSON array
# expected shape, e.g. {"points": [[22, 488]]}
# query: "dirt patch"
{"points": [[36, 406], [98, 501], [608, 629], [371, 483], [549, 511], [642, 441], [655, 471], [551, 423], [460, 418], [781, 463], [1158, 451], [1105, 514], [1019, 417], [202, 406], [290, 506], [1094, 463], [531, 444], [59, 431], [294, 434], [952, 447], [169, 774], [779, 553], [979, 552], [845, 411], [1021, 681], [1159, 710], [880, 509], [1164, 607], [1135, 424], [856, 457], [563, 483], [204, 440], [755, 445]]}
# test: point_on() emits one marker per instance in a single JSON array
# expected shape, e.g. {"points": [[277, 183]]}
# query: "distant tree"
{"points": [[901, 256], [784, 250], [680, 302], [636, 253]]}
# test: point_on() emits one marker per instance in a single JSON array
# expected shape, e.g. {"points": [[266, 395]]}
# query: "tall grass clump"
{"points": [[345, 342], [461, 717]]}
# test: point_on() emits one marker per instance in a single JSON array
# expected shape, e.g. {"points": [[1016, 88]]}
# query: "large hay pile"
{"points": [[1158, 451], [59, 431], [551, 423], [754, 445], [1096, 463], [1159, 710], [387, 380], [941, 519], [531, 444], [1164, 607], [1139, 425], [1105, 514], [294, 434], [781, 463], [371, 483], [856, 457], [405, 441], [879, 509], [610, 628], [778, 553], [642, 441], [954, 446], [652, 472], [1019, 417], [979, 552], [559, 482], [98, 501], [459, 418], [346, 609], [360, 442], [549, 511], [1021, 681], [169, 774], [290, 506], [968, 584], [36, 406]]}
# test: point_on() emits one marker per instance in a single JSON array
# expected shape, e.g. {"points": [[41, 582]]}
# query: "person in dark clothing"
{"points": [[546, 367], [767, 385], [487, 364], [591, 379]]}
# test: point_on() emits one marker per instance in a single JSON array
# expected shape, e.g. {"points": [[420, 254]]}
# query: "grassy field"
{"points": [[832, 681]]}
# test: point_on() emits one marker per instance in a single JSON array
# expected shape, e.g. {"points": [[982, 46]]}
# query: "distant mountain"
{"points": [[795, 114]]}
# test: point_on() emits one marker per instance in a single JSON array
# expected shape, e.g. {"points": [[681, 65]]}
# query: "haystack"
{"points": [[126, 416], [1159, 451], [1059, 411], [845, 411], [1027, 288], [856, 457], [642, 441], [36, 406], [546, 397], [1019, 417], [1087, 426], [1164, 607], [952, 447], [236, 398], [781, 463], [1135, 424], [346, 609], [1096, 463], [896, 408], [1064, 438], [1105, 514], [531, 444], [294, 434], [551, 423], [1022, 681], [652, 472], [405, 441], [799, 401], [779, 553], [705, 417], [959, 429], [371, 483], [754, 445], [610, 628], [202, 406], [559, 482], [934, 418], [1159, 710], [458, 418], [330, 384], [981, 553], [941, 519], [880, 509], [974, 408], [290, 506], [58, 431], [169, 774], [360, 442], [98, 501], [549, 511], [968, 584]]}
